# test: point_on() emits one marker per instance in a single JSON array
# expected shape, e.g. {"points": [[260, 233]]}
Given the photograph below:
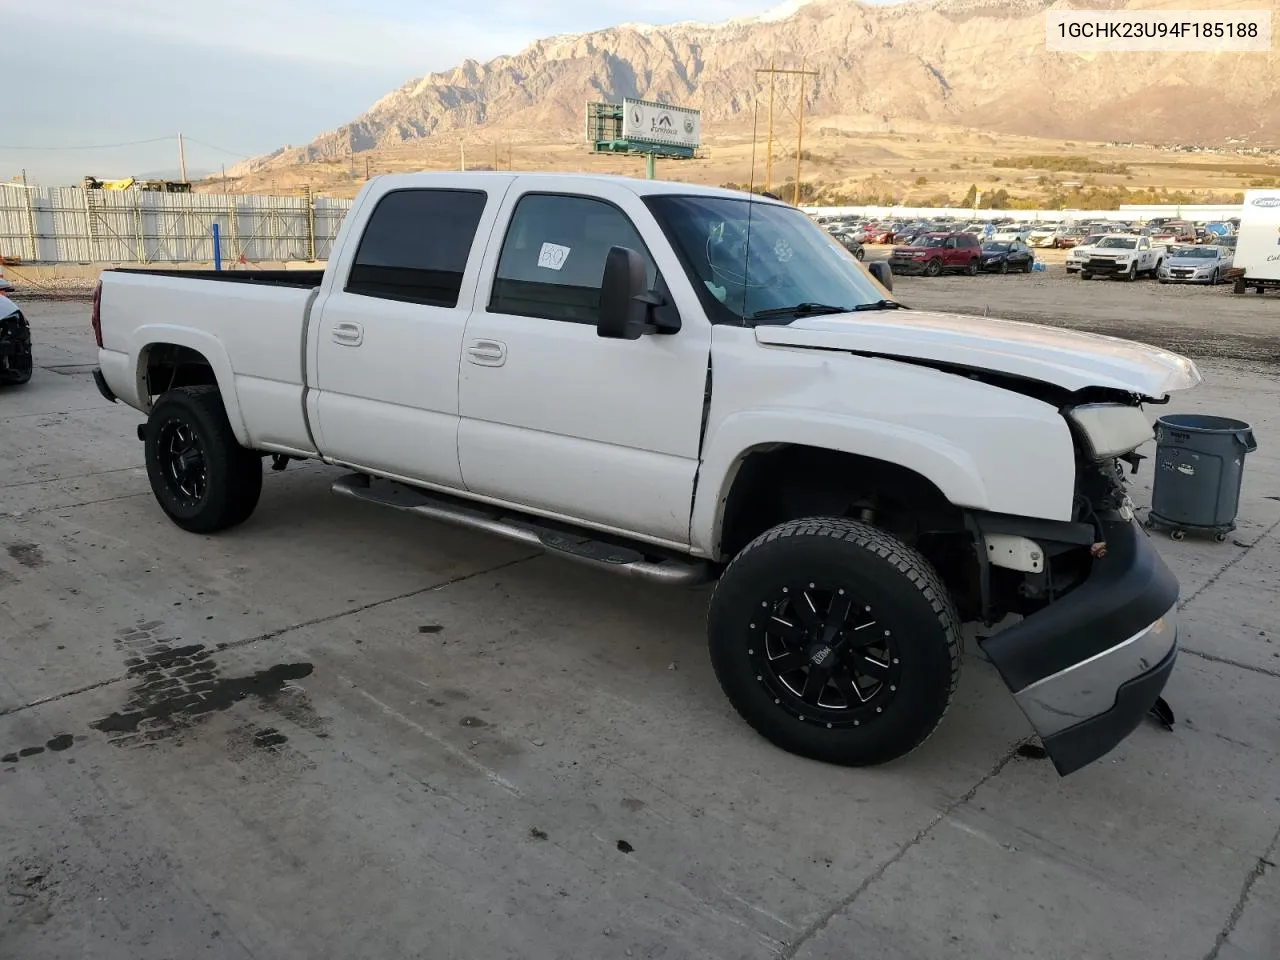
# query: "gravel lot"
{"points": [[426, 743]]}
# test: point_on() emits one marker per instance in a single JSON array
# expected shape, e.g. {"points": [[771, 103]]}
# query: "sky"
{"points": [[241, 77]]}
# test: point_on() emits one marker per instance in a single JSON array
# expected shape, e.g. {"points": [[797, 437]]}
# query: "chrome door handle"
{"points": [[487, 353], [348, 333]]}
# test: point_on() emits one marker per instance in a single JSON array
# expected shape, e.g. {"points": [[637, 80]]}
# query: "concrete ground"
{"points": [[414, 741]]}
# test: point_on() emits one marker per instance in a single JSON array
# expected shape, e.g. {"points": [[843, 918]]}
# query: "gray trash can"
{"points": [[1199, 467]]}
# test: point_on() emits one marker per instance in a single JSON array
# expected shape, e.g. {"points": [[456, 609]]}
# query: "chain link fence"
{"points": [[78, 225]]}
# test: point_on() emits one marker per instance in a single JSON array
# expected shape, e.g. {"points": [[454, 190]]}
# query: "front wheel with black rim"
{"points": [[835, 641], [933, 268], [200, 475]]}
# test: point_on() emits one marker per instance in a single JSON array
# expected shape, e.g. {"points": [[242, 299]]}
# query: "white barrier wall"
{"points": [[74, 225]]}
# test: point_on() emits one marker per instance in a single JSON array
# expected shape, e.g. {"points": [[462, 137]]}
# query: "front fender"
{"points": [[207, 346], [1022, 463]]}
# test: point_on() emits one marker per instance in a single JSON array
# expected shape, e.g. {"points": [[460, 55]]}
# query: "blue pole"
{"points": [[217, 248]]}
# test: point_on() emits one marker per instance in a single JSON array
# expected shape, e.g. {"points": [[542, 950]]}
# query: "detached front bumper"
{"points": [[1087, 668]]}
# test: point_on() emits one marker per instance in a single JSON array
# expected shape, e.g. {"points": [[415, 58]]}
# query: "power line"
{"points": [[233, 153], [129, 143], [97, 146]]}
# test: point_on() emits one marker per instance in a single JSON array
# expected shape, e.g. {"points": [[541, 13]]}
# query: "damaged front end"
{"points": [[1098, 638]]}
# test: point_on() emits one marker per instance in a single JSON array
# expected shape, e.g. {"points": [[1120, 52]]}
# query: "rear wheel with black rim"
{"points": [[836, 641], [200, 475], [972, 268]]}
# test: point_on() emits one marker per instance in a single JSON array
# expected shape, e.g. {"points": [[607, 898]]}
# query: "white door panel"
{"points": [[390, 401], [555, 417], [387, 332], [603, 430]]}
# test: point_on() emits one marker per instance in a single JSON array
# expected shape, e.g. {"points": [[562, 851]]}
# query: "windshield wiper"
{"points": [[879, 305], [799, 310]]}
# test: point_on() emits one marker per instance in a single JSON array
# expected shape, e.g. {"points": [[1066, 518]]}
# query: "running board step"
{"points": [[615, 558]]}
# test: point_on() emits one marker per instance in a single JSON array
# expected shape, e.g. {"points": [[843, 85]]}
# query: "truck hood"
{"points": [[1064, 358]]}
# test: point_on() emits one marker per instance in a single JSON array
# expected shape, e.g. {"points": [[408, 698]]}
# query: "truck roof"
{"points": [[636, 185]]}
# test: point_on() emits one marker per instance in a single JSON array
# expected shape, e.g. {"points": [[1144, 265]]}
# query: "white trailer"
{"points": [[1258, 242]]}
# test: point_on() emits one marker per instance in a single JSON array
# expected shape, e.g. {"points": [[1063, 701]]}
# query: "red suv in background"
{"points": [[935, 252]]}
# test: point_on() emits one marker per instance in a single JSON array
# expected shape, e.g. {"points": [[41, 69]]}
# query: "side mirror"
{"points": [[884, 276], [626, 303]]}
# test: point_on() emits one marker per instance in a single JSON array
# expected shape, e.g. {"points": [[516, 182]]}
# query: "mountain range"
{"points": [[980, 64]]}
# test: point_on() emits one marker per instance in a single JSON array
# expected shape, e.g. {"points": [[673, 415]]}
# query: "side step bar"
{"points": [[512, 526]]}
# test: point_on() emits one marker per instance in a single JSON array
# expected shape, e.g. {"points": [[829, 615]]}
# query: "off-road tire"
{"points": [[1131, 274], [234, 474], [933, 268], [972, 268], [906, 592]]}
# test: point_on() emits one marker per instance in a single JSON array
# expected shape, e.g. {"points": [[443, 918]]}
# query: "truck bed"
{"points": [[273, 278]]}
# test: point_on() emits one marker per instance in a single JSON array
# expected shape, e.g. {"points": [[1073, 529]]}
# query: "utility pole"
{"points": [[462, 156], [774, 72], [795, 200], [768, 158], [182, 159]]}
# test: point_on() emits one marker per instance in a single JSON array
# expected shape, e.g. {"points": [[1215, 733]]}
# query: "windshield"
{"points": [[1197, 253], [932, 242], [1118, 243], [744, 257]]}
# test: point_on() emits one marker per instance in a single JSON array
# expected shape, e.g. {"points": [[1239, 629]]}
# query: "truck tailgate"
{"points": [[252, 334]]}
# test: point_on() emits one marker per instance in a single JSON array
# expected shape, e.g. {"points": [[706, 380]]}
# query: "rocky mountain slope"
{"points": [[977, 63]]}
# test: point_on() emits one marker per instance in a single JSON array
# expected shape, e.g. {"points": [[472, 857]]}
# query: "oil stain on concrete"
{"points": [[177, 687]]}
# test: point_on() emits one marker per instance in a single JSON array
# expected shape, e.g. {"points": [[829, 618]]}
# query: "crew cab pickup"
{"points": [[1123, 255], [686, 384]]}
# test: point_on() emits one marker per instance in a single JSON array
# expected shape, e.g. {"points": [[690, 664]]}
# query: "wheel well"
{"points": [[790, 482], [169, 365]]}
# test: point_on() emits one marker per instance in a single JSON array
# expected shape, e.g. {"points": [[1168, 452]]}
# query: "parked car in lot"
{"points": [[15, 341], [1077, 255], [1124, 257], [879, 233], [1043, 235], [937, 253], [858, 478], [1003, 256], [851, 243], [1070, 236], [1199, 263]]}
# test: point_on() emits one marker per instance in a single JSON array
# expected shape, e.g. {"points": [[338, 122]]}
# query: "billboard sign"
{"points": [[661, 123]]}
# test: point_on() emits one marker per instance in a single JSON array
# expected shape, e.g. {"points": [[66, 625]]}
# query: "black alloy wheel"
{"points": [[825, 655], [182, 460]]}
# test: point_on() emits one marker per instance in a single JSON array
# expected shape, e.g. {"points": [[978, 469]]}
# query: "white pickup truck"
{"points": [[1125, 256], [686, 384]]}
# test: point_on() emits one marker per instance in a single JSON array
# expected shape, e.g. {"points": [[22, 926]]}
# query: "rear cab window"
{"points": [[416, 245]]}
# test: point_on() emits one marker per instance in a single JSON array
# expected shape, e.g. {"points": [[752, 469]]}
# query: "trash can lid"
{"points": [[1203, 423]]}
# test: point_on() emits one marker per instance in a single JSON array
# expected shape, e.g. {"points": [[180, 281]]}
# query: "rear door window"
{"points": [[416, 245]]}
